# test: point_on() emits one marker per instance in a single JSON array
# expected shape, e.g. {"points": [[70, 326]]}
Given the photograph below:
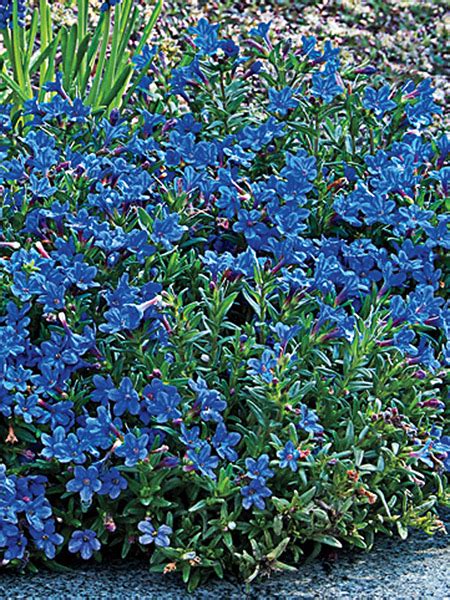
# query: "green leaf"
{"points": [[118, 86], [329, 540], [278, 551], [150, 24], [402, 530], [13, 86]]}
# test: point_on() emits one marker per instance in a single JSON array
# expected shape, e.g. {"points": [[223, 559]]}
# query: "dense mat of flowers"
{"points": [[223, 331]]}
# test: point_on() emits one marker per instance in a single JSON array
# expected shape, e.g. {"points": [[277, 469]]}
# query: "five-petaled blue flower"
{"points": [[85, 542], [133, 449], [85, 481], [159, 536], [378, 100], [202, 461], [282, 101], [47, 539], [254, 494], [289, 456]]}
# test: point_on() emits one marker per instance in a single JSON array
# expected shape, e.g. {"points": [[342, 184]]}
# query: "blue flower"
{"points": [[107, 4], [16, 378], [64, 449], [5, 119], [224, 442], [378, 100], [82, 275], [202, 461], [127, 317], [281, 101], [47, 539], [206, 39], [15, 543], [424, 454], [167, 230], [191, 437], [249, 223], [112, 483], [126, 398], [309, 421], [85, 542], [37, 512], [254, 494], [161, 401], [261, 30], [402, 341], [441, 447], [159, 536], [133, 449], [209, 402], [144, 59], [421, 112], [211, 405], [28, 407], [263, 367], [259, 468], [52, 296], [6, 13], [289, 456], [229, 47], [325, 86], [86, 482]]}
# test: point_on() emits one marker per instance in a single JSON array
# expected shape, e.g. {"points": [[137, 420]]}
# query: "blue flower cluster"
{"points": [[7, 10], [113, 382], [107, 4], [24, 507]]}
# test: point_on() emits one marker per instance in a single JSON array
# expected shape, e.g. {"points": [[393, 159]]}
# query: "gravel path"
{"points": [[416, 568]]}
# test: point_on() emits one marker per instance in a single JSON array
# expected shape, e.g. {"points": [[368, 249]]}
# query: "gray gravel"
{"points": [[416, 568]]}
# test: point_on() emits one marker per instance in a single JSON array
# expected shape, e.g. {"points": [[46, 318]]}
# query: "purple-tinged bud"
{"points": [[253, 69], [13, 245], [63, 320], [114, 116], [168, 125], [109, 523], [369, 70], [169, 462], [433, 403], [42, 251], [420, 374], [256, 45], [155, 374]]}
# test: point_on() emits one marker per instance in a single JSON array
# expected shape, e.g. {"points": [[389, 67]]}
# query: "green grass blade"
{"points": [[31, 39], [45, 35], [94, 92], [41, 56], [116, 91], [69, 57], [17, 50], [127, 32], [110, 69], [13, 86], [81, 54], [49, 73], [148, 28]]}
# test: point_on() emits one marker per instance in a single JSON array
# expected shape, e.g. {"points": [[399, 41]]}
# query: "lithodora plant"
{"points": [[224, 329]]}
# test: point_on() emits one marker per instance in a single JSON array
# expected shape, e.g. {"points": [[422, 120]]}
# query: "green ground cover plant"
{"points": [[223, 298]]}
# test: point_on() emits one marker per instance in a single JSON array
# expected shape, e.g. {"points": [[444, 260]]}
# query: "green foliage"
{"points": [[95, 65]]}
